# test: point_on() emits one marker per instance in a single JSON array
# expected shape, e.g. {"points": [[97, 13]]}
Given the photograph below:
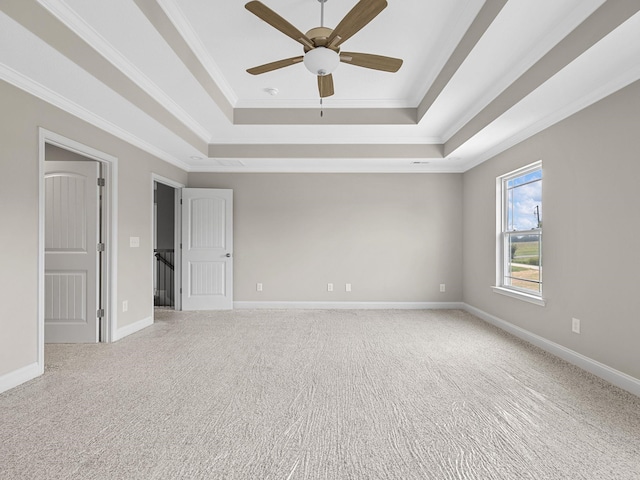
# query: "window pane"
{"points": [[524, 202], [522, 265]]}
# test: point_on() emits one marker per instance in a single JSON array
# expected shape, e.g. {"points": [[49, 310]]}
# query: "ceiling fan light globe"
{"points": [[321, 61]]}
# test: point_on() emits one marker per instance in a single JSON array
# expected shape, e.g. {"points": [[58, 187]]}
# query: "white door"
{"points": [[207, 248], [71, 253]]}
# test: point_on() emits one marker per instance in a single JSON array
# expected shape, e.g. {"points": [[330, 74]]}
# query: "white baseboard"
{"points": [[17, 377], [349, 305], [133, 328], [611, 375]]}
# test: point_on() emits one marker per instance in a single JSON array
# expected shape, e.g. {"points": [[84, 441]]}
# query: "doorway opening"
{"points": [[106, 286], [164, 247], [166, 243]]}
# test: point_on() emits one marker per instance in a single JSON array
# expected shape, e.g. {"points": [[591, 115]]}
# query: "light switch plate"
{"points": [[575, 325], [134, 242]]}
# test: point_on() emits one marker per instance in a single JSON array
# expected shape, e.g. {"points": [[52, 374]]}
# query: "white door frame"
{"points": [[110, 214], [177, 232]]}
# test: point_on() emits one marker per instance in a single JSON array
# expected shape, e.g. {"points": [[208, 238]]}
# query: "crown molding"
{"points": [[328, 103], [88, 34], [460, 25], [453, 56], [301, 165], [45, 94], [185, 29], [327, 151], [623, 80], [546, 42], [352, 140], [331, 116]]}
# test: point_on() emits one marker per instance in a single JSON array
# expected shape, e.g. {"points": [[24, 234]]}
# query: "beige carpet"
{"points": [[316, 395]]}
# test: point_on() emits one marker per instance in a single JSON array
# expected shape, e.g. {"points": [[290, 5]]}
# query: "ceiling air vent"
{"points": [[230, 163]]}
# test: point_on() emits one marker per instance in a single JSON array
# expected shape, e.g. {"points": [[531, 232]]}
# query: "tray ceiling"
{"points": [[169, 76]]}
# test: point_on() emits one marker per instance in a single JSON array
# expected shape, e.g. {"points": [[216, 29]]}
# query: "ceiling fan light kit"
{"points": [[321, 61], [322, 45]]}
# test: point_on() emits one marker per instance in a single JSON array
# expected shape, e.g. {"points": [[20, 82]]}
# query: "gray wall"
{"points": [[21, 116], [591, 198], [394, 237], [19, 233]]}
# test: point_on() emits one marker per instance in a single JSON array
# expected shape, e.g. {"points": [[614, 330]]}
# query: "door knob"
{"points": [[228, 255]]}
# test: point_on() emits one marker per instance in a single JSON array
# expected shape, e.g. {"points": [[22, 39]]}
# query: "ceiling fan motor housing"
{"points": [[320, 36], [321, 60]]}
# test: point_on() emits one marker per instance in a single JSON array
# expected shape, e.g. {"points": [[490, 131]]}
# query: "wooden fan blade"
{"points": [[358, 17], [263, 12], [268, 67], [325, 85], [376, 62]]}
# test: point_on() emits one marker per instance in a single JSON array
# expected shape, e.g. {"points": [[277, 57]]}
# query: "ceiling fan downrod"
{"points": [[322, 2]]}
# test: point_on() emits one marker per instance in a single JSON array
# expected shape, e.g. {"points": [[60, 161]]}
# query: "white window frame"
{"points": [[501, 253]]}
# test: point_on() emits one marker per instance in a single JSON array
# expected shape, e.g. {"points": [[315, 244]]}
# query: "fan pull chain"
{"points": [[321, 111]]}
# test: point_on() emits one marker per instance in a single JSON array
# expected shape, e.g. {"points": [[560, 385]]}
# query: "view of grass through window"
{"points": [[523, 231], [524, 264]]}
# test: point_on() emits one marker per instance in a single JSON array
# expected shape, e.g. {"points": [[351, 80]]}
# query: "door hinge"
{"points": [[180, 246], [100, 313], [180, 201], [101, 182], [101, 247], [180, 290]]}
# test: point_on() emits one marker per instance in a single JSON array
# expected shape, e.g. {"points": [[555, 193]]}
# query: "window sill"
{"points": [[520, 296]]}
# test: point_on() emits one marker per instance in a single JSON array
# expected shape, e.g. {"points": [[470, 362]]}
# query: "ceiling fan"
{"points": [[322, 44]]}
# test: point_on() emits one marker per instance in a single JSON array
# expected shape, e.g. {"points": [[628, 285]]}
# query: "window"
{"points": [[519, 262]]}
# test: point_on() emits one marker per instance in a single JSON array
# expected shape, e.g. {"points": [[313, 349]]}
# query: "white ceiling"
{"points": [[170, 77]]}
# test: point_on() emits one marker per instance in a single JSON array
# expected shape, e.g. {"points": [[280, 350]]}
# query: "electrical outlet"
{"points": [[329, 287], [443, 287], [347, 287], [125, 305], [575, 325], [258, 287]]}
